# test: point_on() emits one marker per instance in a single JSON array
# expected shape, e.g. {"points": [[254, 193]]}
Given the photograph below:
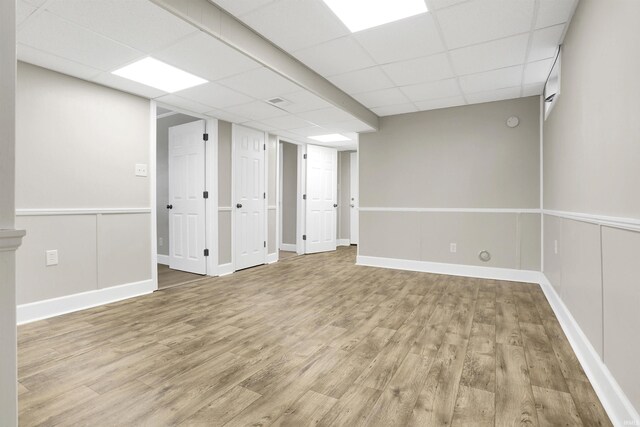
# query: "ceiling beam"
{"points": [[218, 23]]}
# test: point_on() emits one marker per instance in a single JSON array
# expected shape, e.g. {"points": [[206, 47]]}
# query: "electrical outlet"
{"points": [[453, 247], [160, 241], [141, 169], [52, 257], [555, 247]]}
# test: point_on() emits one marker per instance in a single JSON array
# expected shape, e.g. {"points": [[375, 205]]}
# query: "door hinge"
{"points": [[206, 252], [265, 243], [304, 197], [264, 195], [304, 237], [205, 136], [264, 147], [205, 194], [304, 156]]}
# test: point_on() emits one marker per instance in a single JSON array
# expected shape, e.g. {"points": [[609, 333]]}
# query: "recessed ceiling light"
{"points": [[359, 15], [334, 137], [159, 75]]}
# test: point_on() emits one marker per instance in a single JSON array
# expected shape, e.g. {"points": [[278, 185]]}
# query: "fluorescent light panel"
{"points": [[359, 15], [334, 137], [157, 74]]}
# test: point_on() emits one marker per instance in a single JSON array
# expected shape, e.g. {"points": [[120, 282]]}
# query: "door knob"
{"points": [[335, 205], [239, 205], [169, 206]]}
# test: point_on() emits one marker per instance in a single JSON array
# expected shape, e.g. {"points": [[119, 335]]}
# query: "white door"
{"points": [[250, 198], [322, 198], [354, 201], [186, 199]]}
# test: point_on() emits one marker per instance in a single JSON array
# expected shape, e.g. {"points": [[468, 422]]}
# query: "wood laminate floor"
{"points": [[312, 340], [168, 278]]}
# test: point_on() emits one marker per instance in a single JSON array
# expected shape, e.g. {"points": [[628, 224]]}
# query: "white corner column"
{"points": [[10, 239]]}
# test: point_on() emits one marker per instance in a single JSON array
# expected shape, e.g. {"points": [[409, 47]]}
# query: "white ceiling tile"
{"points": [[23, 11], [435, 104], [533, 89], [420, 70], [214, 95], [495, 79], [55, 63], [240, 7], [326, 116], [226, 116], [362, 80], [126, 85], [440, 4], [537, 72], [261, 83], [286, 122], [51, 34], [433, 90], [136, 23], [335, 56], [256, 110], [379, 98], [184, 104], [207, 57], [310, 131], [493, 95], [35, 3], [296, 24], [491, 55], [545, 43], [259, 126], [405, 39], [392, 110], [304, 101], [552, 12], [483, 20]]}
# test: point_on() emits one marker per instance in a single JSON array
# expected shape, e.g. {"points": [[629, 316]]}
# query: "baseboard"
{"points": [[225, 269], [163, 259], [31, 312], [288, 247], [613, 399], [343, 242], [271, 258], [512, 275]]}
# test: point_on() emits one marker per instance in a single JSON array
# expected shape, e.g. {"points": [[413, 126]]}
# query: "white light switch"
{"points": [[141, 169], [453, 248], [52, 257]]}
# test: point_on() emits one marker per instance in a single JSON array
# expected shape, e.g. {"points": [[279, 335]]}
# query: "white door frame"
{"points": [[211, 182], [354, 211], [233, 194]]}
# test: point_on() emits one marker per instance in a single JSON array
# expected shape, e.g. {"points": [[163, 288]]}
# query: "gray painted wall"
{"points": [[591, 154], [8, 393], [162, 176], [289, 192], [462, 157], [77, 146]]}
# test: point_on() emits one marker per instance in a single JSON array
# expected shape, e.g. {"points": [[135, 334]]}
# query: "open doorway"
{"points": [[180, 203], [288, 181]]}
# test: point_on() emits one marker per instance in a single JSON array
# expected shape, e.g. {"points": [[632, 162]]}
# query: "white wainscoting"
{"points": [[54, 307]]}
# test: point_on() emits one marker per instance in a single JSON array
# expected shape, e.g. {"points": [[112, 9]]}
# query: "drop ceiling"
{"points": [[89, 39], [460, 52]]}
